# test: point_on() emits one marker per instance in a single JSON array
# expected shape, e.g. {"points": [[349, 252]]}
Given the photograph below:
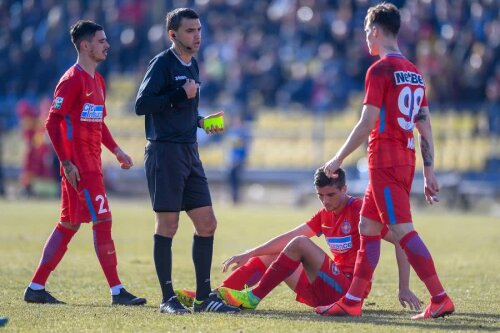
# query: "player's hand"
{"points": [[406, 296], [125, 160], [237, 261], [331, 166], [71, 173], [213, 129], [191, 88], [431, 186]]}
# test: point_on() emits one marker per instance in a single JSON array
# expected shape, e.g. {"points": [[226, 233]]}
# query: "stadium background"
{"points": [[292, 70]]}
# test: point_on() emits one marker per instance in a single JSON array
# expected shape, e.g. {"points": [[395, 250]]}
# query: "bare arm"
{"points": [[273, 246], [431, 185], [405, 293], [358, 135]]}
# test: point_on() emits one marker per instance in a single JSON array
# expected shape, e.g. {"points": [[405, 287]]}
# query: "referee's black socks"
{"points": [[202, 258], [162, 254]]}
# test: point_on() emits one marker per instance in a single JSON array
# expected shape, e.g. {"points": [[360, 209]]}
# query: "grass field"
{"points": [[465, 249]]}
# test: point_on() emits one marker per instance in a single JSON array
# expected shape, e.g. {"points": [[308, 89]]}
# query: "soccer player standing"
{"points": [[168, 98], [394, 104], [76, 128]]}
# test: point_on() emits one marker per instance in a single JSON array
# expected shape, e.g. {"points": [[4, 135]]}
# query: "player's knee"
{"points": [[297, 243], [70, 226], [369, 227]]}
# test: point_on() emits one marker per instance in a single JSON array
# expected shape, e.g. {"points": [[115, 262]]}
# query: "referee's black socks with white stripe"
{"points": [[162, 254], [202, 258]]}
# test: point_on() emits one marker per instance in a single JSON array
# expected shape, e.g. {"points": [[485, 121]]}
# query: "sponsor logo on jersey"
{"points": [[340, 244], [407, 77], [92, 113], [180, 77], [345, 227], [57, 104]]}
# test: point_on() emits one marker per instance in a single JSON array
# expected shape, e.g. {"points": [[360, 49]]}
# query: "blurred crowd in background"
{"points": [[256, 55], [273, 53]]}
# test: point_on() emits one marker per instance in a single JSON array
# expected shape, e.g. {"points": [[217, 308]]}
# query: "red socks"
{"points": [[366, 262], [279, 270], [248, 274], [420, 259], [105, 250], [53, 252]]}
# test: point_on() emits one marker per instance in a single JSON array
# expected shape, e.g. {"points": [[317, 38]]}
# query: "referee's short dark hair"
{"points": [[322, 180], [174, 17], [83, 30]]}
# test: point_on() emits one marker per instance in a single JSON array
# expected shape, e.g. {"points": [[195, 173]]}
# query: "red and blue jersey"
{"points": [[394, 85], [341, 233], [80, 99]]}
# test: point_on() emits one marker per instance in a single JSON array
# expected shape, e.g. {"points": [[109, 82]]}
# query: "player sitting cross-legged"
{"points": [[294, 258]]}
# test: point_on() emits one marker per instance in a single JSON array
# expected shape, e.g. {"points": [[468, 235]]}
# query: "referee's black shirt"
{"points": [[170, 115]]}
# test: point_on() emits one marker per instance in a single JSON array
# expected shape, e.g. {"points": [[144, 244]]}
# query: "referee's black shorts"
{"points": [[176, 179]]}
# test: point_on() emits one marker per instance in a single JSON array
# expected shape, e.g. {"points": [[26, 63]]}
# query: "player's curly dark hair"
{"points": [[83, 30], [174, 17], [386, 15], [322, 180]]}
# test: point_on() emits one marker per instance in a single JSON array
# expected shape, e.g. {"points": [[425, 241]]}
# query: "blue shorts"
{"points": [[176, 179]]}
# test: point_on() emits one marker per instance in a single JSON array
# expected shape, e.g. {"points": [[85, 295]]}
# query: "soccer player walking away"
{"points": [[316, 278], [168, 97], [394, 104], [76, 128]]}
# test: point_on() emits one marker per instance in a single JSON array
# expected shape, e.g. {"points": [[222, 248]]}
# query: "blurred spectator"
{"points": [[283, 53], [39, 155], [239, 141], [493, 109]]}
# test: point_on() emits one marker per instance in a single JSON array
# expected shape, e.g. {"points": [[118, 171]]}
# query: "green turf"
{"points": [[465, 248]]}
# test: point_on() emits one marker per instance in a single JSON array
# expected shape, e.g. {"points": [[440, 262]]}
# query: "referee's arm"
{"points": [[149, 98]]}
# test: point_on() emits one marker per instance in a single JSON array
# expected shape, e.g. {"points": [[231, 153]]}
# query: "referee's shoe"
{"points": [[173, 306], [213, 304]]}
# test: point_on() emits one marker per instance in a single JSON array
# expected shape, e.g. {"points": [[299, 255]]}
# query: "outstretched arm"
{"points": [[358, 135], [273, 246], [423, 124], [406, 296]]}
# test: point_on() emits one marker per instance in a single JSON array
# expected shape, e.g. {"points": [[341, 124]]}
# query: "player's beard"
{"points": [[98, 56]]}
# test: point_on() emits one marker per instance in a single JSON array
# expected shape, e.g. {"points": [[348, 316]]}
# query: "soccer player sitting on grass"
{"points": [[294, 258]]}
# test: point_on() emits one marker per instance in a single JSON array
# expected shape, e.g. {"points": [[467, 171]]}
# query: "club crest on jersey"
{"points": [[92, 113], [57, 104], [340, 244], [335, 269], [345, 227]]}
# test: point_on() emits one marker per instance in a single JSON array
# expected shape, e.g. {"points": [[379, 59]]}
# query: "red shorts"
{"points": [[87, 204], [387, 197], [328, 287]]}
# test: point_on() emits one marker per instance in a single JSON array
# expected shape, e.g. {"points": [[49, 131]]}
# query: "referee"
{"points": [[168, 98]]}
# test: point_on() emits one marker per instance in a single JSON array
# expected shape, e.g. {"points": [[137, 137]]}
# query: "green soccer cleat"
{"points": [[185, 296], [244, 299]]}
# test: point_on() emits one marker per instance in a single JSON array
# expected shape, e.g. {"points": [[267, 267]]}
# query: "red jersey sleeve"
{"points": [[107, 138], [315, 223], [67, 93], [375, 85], [65, 97]]}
